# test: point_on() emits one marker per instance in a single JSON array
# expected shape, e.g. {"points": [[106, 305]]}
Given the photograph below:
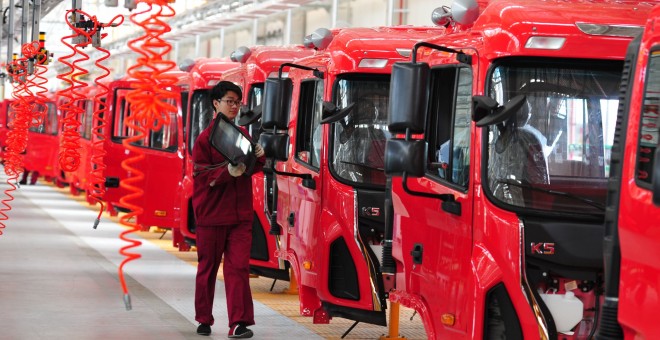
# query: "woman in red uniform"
{"points": [[222, 202]]}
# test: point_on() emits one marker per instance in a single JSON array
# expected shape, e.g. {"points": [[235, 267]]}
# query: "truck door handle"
{"points": [[112, 182], [309, 183], [291, 219], [450, 205], [417, 252]]}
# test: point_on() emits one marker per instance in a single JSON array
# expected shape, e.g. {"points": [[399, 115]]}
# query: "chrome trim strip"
{"points": [[281, 263], [527, 290], [404, 52], [610, 30], [372, 270]]}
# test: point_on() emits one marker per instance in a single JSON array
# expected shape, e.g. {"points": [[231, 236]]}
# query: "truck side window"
{"points": [[308, 134], [164, 138], [120, 129], [51, 119], [649, 131], [86, 119], [200, 113], [449, 125], [254, 100], [39, 120]]}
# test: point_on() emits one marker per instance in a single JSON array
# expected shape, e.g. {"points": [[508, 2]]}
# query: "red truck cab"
{"points": [[632, 219], [41, 155], [163, 151], [497, 209], [203, 74], [79, 179], [325, 131], [257, 64]]}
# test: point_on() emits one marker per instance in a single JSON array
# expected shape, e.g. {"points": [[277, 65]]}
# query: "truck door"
{"points": [[436, 242], [302, 220], [639, 206], [41, 153]]}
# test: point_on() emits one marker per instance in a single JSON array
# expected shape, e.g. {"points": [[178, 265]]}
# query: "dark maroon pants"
{"points": [[234, 241]]}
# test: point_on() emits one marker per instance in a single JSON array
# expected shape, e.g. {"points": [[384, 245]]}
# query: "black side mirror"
{"points": [[277, 103], [332, 114], [409, 97], [407, 156], [275, 145], [486, 111], [247, 116]]}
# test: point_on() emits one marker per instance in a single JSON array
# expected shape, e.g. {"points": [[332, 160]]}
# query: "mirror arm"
{"points": [[449, 203], [316, 72], [443, 197], [460, 56], [308, 180]]}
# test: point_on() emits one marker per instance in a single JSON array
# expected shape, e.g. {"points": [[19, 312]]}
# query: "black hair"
{"points": [[221, 88]]}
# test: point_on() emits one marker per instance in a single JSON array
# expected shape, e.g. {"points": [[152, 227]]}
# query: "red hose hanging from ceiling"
{"points": [[150, 107], [16, 142], [69, 157], [27, 109], [34, 52], [20, 118], [99, 121]]}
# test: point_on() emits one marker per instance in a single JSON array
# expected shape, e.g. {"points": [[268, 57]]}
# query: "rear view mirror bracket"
{"points": [[449, 203], [402, 157], [307, 179], [249, 116], [486, 111], [316, 72], [333, 114]]}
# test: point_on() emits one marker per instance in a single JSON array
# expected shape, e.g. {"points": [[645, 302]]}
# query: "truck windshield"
{"points": [[554, 153], [358, 140]]}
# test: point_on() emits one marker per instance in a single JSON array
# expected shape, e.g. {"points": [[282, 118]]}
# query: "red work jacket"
{"points": [[218, 197]]}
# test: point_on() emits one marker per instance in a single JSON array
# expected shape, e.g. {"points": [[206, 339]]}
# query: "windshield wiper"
{"points": [[520, 184]]}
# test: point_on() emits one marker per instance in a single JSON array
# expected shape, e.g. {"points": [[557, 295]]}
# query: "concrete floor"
{"points": [[59, 280]]}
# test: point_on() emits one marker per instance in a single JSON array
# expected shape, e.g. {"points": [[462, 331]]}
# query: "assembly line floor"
{"points": [[59, 280]]}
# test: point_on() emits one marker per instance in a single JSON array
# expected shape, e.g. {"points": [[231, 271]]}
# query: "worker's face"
{"points": [[229, 105]]}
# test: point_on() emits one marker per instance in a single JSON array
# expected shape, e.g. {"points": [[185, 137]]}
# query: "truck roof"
{"points": [[349, 46], [264, 59], [505, 27], [207, 71], [508, 14]]}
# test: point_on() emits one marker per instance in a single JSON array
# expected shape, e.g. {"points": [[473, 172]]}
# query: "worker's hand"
{"points": [[258, 151], [236, 170]]}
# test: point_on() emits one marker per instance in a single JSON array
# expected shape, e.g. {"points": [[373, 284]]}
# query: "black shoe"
{"points": [[239, 331], [204, 329]]}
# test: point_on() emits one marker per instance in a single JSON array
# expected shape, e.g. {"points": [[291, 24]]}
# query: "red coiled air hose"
{"points": [[69, 157], [97, 180], [34, 52], [150, 105], [25, 109]]}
